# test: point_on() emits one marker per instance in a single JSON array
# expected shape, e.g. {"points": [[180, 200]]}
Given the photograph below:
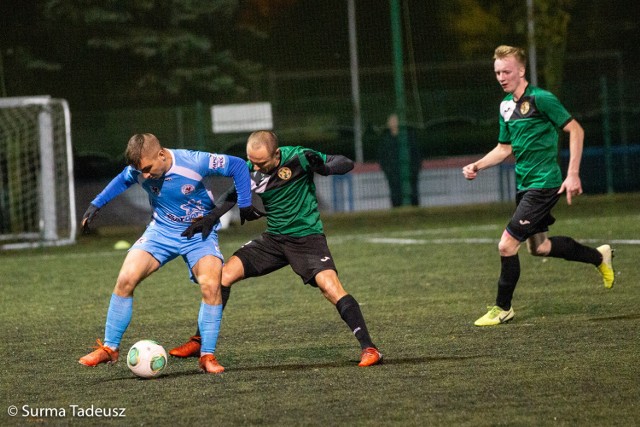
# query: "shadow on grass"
{"points": [[301, 367], [350, 363], [631, 316]]}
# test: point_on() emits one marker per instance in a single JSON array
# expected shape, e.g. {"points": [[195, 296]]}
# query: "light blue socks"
{"points": [[209, 319], [118, 318]]}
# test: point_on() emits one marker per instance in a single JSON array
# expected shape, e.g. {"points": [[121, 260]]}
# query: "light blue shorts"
{"points": [[166, 246]]}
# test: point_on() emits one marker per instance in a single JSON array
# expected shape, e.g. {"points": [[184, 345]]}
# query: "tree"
{"points": [[141, 51], [481, 25], [552, 21]]}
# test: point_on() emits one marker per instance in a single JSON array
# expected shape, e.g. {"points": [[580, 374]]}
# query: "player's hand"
{"points": [[470, 171], [572, 186], [316, 164], [250, 213], [88, 216], [203, 225]]}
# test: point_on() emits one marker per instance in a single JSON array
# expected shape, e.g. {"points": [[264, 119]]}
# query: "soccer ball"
{"points": [[147, 359]]}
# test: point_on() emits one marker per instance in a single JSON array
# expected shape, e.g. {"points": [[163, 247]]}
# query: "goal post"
{"points": [[37, 195]]}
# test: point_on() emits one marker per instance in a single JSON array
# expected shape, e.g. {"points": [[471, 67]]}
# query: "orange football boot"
{"points": [[370, 356], [101, 354], [209, 364], [189, 349]]}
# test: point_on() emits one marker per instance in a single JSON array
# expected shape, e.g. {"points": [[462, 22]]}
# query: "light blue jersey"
{"points": [[178, 198]]}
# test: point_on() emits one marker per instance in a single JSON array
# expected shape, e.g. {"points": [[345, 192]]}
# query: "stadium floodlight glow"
{"points": [[37, 195]]}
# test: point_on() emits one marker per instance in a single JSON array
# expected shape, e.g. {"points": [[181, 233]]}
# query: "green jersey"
{"points": [[289, 194], [531, 126]]}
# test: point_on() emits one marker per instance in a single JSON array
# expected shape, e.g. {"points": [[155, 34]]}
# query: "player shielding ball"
{"points": [[283, 178], [173, 180], [529, 119]]}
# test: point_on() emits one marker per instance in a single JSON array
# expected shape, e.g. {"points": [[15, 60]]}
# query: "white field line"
{"points": [[75, 255], [411, 233], [398, 241], [411, 237], [389, 240], [404, 237]]}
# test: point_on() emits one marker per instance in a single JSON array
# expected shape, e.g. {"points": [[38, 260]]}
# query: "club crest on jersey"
{"points": [[284, 173], [155, 190], [525, 107], [187, 189]]}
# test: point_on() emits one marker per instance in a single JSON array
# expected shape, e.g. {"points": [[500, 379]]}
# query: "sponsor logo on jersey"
{"points": [[525, 107], [216, 161], [506, 109], [284, 173], [325, 259], [188, 189], [193, 211], [525, 222]]}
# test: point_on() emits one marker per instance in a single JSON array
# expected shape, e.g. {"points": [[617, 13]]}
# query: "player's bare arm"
{"points": [[572, 184], [492, 158]]}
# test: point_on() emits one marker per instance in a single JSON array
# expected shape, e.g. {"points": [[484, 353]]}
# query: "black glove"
{"points": [[250, 213], [88, 216], [316, 164], [203, 225]]}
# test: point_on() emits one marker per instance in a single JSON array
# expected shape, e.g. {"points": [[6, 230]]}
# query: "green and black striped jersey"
{"points": [[531, 126], [288, 194]]}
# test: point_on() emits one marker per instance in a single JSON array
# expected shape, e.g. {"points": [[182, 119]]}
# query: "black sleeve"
{"points": [[225, 202], [337, 164]]}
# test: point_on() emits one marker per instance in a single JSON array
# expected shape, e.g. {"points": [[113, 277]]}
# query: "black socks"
{"points": [[567, 248], [349, 310], [226, 292], [509, 275]]}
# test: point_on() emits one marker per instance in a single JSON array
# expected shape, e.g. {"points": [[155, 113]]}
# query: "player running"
{"points": [[529, 119], [173, 180], [283, 178]]}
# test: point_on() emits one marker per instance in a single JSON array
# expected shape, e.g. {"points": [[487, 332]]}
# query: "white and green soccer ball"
{"points": [[147, 359]]}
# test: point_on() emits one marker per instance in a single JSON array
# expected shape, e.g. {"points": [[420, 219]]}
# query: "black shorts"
{"points": [[308, 255], [533, 212]]}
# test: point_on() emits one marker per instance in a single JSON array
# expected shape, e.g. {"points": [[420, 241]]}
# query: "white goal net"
{"points": [[37, 201]]}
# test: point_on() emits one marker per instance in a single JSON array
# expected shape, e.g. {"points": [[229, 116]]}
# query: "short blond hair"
{"points": [[504, 51]]}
